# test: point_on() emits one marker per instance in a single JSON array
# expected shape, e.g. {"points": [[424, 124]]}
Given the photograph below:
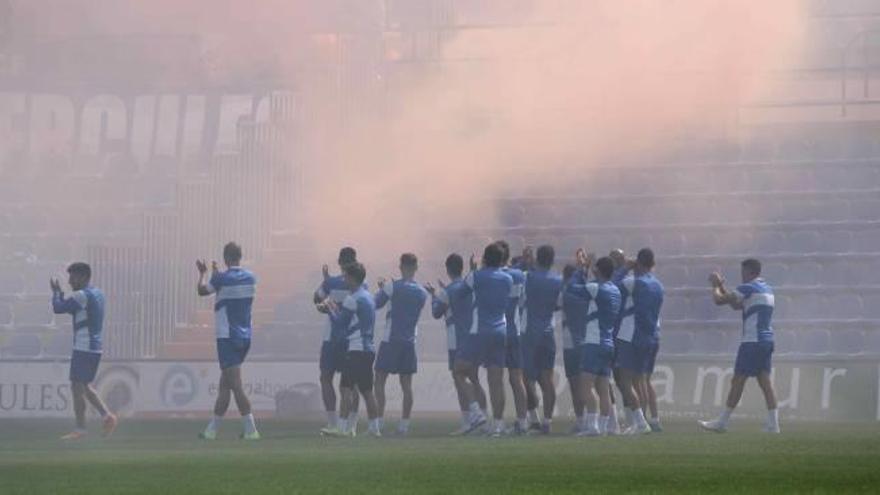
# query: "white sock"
{"points": [[403, 425], [343, 425], [353, 420], [474, 407], [380, 421], [499, 425], [533, 415], [374, 425], [465, 419], [614, 416], [639, 417], [547, 421], [592, 422], [724, 418], [773, 417], [248, 423], [603, 424], [523, 424], [579, 421], [332, 418], [214, 423]]}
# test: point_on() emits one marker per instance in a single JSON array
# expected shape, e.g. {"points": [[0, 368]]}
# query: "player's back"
{"points": [[513, 304], [88, 322], [461, 307], [363, 321], [575, 309], [647, 303], [541, 300], [492, 289], [607, 310], [758, 304], [235, 290], [406, 299], [336, 289]]}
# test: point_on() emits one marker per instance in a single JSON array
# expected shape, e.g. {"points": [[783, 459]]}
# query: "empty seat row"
{"points": [[819, 305], [803, 342]]}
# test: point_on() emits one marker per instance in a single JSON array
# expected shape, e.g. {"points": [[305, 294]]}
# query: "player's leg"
{"points": [[109, 419], [548, 393], [479, 393], [495, 376], [363, 378], [772, 423], [737, 385], [406, 389], [603, 390], [328, 395], [77, 389], [590, 427], [577, 401], [518, 389], [654, 420], [233, 378], [379, 393]]}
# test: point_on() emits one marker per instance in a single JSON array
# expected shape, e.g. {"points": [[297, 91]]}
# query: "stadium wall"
{"points": [[807, 389]]}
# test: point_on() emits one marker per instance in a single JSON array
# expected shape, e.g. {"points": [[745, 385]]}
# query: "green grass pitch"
{"points": [[164, 458]]}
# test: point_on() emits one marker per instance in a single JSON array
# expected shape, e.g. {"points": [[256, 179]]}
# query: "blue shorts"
{"points": [[397, 358], [333, 356], [572, 358], [596, 359], [639, 359], [537, 358], [753, 358], [513, 353], [484, 349], [231, 352], [84, 366]]}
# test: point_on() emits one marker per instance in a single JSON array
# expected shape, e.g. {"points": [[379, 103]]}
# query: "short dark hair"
{"points": [[356, 271], [409, 259], [80, 268], [454, 264], [505, 250], [545, 255], [493, 255], [347, 255], [232, 252], [605, 265], [568, 270], [645, 257], [752, 265]]}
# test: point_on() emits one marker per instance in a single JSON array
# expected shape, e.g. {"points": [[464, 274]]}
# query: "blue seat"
{"points": [[703, 308], [804, 241], [675, 307], [847, 341], [22, 345], [844, 306], [677, 342], [866, 241], [807, 273], [813, 341], [672, 275], [872, 342], [667, 244], [710, 342]]}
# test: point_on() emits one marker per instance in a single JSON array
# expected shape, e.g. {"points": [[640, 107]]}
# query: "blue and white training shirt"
{"points": [[604, 312], [576, 306], [514, 323], [406, 298], [757, 313], [235, 289], [641, 300], [86, 306], [336, 289], [541, 300], [492, 288], [455, 304], [358, 314]]}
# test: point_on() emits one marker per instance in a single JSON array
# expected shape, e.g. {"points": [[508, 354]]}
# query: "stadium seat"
{"points": [[702, 308], [675, 307], [808, 306], [783, 308], [784, 342], [667, 244], [835, 241], [866, 241], [671, 275], [771, 241], [701, 242], [813, 341], [848, 341], [710, 341], [806, 274], [776, 273], [11, 282], [872, 342], [871, 306], [676, 342], [5, 314], [804, 241], [845, 306], [59, 345], [22, 345], [868, 210], [32, 312]]}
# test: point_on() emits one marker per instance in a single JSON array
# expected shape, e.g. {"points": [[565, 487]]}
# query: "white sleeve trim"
{"points": [[80, 298], [350, 303]]}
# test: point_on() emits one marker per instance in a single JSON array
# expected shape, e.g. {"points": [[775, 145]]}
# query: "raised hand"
{"points": [[381, 282], [54, 285], [214, 267], [325, 272], [716, 279], [580, 257], [441, 284], [629, 264], [473, 262], [201, 266], [430, 288]]}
